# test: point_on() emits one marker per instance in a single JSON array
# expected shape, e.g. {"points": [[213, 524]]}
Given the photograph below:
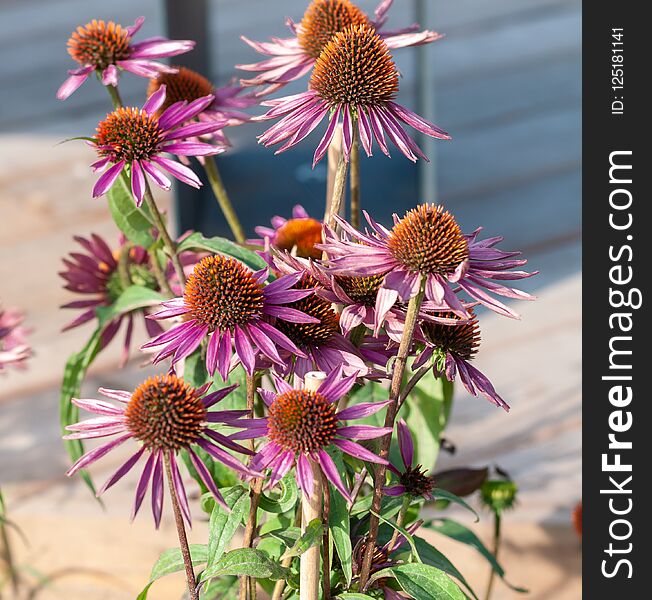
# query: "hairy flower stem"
{"points": [[181, 531], [400, 519], [248, 585], [170, 246], [355, 178], [492, 573], [411, 384], [217, 185], [123, 266], [339, 189], [115, 95], [394, 393]]}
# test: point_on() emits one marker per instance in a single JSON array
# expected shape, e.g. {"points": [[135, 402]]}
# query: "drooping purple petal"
{"points": [[107, 179], [405, 443], [358, 451], [330, 471]]}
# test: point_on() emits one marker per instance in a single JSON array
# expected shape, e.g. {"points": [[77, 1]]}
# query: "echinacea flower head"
{"points": [[412, 478], [293, 57], [188, 85], [427, 244], [354, 80], [14, 349], [94, 274], [106, 48], [165, 416], [302, 425], [298, 235], [135, 140], [322, 345], [231, 305], [453, 347]]}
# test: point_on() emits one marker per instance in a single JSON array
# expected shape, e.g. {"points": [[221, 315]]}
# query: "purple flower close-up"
{"points": [[301, 425], [14, 349], [107, 48], [164, 415], [136, 139]]}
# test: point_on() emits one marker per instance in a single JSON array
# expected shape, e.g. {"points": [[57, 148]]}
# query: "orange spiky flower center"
{"points": [[165, 413], [428, 240], [302, 421], [362, 290], [307, 335], [462, 339], [100, 44], [186, 85], [222, 293], [323, 19], [299, 237], [128, 134], [355, 68]]}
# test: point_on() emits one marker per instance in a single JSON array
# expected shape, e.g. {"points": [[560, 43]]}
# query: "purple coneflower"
{"points": [[137, 138], [14, 349], [295, 56], [107, 47], [232, 305], [354, 80], [95, 274], [427, 243], [188, 85], [165, 415], [452, 347], [298, 235], [412, 480], [301, 425]]}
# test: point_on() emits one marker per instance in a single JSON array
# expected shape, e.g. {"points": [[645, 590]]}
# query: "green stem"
{"points": [[170, 246], [161, 279], [7, 555], [181, 531], [115, 96], [217, 185], [492, 574], [407, 500], [355, 178], [394, 392], [123, 266]]}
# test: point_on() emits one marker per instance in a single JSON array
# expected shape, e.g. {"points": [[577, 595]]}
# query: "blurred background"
{"points": [[505, 83]]}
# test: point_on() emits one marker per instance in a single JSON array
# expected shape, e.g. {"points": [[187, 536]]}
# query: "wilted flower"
{"points": [[165, 416], [228, 303], [14, 349], [453, 346], [186, 84], [295, 56], [354, 80], [137, 138], [301, 425], [412, 479], [298, 235], [107, 47], [427, 243]]}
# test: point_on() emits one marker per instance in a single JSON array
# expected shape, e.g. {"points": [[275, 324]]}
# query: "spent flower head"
{"points": [[106, 48]]}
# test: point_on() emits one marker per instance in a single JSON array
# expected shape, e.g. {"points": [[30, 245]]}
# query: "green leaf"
{"points": [[288, 535], [426, 413], [246, 561], [423, 582], [171, 561], [131, 220], [73, 375], [339, 524], [440, 494], [389, 506], [287, 499], [460, 533], [194, 371], [431, 556], [219, 245], [223, 524], [310, 537], [408, 536], [222, 588], [354, 596], [133, 298]]}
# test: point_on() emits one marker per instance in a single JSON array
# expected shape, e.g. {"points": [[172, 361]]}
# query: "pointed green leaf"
{"points": [[423, 582], [440, 494], [287, 499], [219, 245], [133, 298], [223, 524], [131, 220], [310, 537], [246, 561]]}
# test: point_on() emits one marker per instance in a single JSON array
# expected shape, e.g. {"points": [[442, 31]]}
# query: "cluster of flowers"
{"points": [[332, 299]]}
